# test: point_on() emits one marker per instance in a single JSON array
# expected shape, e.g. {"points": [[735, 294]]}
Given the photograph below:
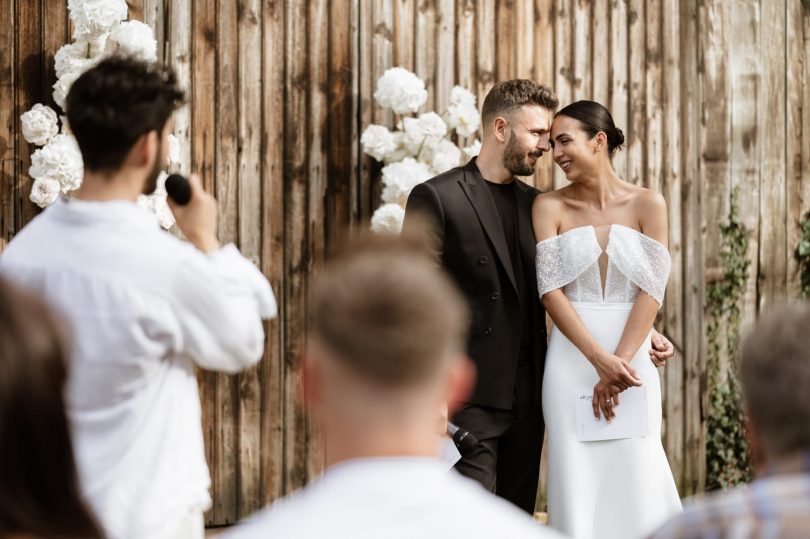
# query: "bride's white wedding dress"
{"points": [[623, 488]]}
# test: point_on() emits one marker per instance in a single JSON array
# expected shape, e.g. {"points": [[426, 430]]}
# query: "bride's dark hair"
{"points": [[595, 118]]}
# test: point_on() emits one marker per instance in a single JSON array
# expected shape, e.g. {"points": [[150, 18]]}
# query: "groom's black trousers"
{"points": [[507, 459]]}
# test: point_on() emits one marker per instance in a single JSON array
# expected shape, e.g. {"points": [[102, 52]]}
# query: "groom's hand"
{"points": [[605, 398], [662, 349]]}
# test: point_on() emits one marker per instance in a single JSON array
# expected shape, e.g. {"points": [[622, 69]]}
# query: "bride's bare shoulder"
{"points": [[646, 202]]}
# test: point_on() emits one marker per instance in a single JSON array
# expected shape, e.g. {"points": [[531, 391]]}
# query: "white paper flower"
{"points": [[173, 155], [446, 155], [461, 96], [388, 219], [421, 135], [399, 178], [44, 192], [133, 38], [464, 118], [473, 149], [93, 18], [400, 90], [39, 124], [377, 141], [62, 87], [59, 160]]}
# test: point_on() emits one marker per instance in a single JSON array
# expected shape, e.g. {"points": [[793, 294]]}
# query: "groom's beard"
{"points": [[151, 181], [517, 160]]}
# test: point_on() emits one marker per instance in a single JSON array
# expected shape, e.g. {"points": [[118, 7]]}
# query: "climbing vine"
{"points": [[803, 257], [727, 456]]}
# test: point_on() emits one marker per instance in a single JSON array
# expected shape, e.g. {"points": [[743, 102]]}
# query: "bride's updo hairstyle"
{"points": [[595, 118]]}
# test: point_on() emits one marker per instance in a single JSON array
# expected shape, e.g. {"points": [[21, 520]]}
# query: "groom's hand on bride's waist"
{"points": [[662, 349]]}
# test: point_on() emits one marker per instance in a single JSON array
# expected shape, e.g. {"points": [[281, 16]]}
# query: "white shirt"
{"points": [[391, 498], [143, 307]]}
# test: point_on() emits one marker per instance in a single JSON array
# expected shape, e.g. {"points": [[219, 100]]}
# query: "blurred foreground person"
{"points": [[385, 351], [142, 305], [39, 490], [775, 375]]}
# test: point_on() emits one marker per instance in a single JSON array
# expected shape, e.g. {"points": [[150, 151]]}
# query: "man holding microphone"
{"points": [[143, 306]]}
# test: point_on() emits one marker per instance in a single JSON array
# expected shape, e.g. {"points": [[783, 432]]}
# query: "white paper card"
{"points": [[449, 452], [631, 419]]}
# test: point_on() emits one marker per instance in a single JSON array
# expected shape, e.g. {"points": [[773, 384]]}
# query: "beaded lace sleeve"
{"points": [[641, 259], [561, 259]]}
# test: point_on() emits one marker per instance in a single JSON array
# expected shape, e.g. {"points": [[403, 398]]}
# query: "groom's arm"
{"points": [[424, 215]]}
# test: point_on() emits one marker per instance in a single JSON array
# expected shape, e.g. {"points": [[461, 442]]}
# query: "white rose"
{"points": [[399, 178], [39, 124], [133, 38], [93, 18], [400, 150], [44, 192], [59, 160], [432, 125], [377, 141], [464, 118], [473, 149], [400, 90], [445, 156], [79, 56], [388, 219], [461, 96], [173, 155], [62, 87]]}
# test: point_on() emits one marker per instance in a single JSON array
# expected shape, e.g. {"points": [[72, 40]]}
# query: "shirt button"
{"points": [[483, 260], [495, 295], [488, 331]]}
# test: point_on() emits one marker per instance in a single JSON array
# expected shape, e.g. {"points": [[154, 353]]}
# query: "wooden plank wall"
{"points": [[710, 99]]}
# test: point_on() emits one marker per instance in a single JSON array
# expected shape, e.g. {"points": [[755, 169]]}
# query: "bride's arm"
{"points": [[613, 371], [653, 219]]}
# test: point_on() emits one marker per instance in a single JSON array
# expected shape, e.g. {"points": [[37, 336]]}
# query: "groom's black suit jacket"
{"points": [[471, 244]]}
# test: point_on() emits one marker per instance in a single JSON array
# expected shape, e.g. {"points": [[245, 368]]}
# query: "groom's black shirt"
{"points": [[504, 196], [490, 256]]}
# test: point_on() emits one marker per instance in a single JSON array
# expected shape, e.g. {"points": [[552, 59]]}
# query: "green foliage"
{"points": [[803, 256], [727, 459]]}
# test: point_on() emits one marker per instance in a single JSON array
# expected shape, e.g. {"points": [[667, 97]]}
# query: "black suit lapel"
{"points": [[484, 205]]}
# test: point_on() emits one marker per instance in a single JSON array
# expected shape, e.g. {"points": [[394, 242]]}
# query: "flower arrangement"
{"points": [[421, 146], [56, 167]]}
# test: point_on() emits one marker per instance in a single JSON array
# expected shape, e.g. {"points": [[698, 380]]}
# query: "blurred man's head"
{"points": [[386, 339], [775, 373], [516, 119], [120, 113]]}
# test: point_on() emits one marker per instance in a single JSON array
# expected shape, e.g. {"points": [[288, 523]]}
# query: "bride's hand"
{"points": [[616, 371], [606, 398]]}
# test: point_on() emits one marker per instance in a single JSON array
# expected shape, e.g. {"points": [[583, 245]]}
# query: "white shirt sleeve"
{"points": [[221, 299]]}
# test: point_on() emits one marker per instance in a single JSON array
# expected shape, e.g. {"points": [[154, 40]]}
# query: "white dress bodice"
{"points": [[634, 262]]}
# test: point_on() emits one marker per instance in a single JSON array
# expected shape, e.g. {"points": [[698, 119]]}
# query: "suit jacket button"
{"points": [[488, 331], [495, 295], [483, 260]]}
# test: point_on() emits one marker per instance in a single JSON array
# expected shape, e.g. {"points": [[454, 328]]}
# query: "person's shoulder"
{"points": [[484, 511], [705, 514], [548, 203], [446, 178], [647, 200]]}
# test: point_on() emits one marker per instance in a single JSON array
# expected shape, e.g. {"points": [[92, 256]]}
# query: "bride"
{"points": [[602, 268]]}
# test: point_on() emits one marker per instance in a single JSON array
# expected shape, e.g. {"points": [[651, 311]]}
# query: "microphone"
{"points": [[178, 188], [464, 439]]}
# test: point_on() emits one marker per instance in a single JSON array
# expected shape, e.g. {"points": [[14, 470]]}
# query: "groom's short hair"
{"points": [[112, 104], [385, 310], [509, 95], [775, 374]]}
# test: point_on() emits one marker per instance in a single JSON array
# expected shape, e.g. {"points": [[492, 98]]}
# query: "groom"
{"points": [[479, 218]]}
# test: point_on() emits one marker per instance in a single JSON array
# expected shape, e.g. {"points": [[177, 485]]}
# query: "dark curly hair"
{"points": [[594, 118], [112, 104], [509, 95]]}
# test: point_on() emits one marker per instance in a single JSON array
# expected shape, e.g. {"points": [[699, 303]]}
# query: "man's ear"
{"points": [[500, 127], [144, 151], [460, 383]]}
